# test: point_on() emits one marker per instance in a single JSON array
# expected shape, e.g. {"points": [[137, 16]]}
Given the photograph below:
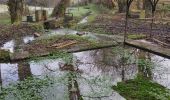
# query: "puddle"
{"points": [[63, 32], [28, 39], [9, 73], [84, 20], [10, 45], [91, 76], [161, 71]]}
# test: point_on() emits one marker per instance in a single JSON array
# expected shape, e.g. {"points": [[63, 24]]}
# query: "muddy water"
{"points": [[90, 76]]}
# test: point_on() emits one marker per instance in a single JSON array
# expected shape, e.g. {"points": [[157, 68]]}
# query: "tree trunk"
{"points": [[147, 7], [122, 6], [16, 10], [60, 9]]}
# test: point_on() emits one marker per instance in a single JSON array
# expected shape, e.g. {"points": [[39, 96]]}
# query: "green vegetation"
{"points": [[145, 66], [136, 36], [5, 19], [67, 57], [4, 55], [91, 28], [79, 11], [142, 89], [29, 89]]}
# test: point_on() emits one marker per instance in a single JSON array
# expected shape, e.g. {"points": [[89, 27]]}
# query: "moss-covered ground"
{"points": [[142, 89]]}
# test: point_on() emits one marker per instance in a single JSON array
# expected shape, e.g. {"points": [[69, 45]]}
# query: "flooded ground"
{"points": [[12, 44], [90, 76]]}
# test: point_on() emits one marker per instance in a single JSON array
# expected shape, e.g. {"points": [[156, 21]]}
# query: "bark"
{"points": [[60, 9], [16, 10], [147, 7], [122, 6]]}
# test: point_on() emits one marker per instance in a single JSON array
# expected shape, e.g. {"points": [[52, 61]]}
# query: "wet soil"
{"points": [[9, 32], [108, 24]]}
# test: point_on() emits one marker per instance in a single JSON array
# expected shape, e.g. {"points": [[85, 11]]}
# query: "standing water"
{"points": [[12, 44], [90, 76]]}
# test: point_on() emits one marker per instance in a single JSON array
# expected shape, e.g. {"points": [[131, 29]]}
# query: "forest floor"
{"points": [[9, 32], [137, 29]]}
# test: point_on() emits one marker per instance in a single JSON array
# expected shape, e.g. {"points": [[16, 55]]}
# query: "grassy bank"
{"points": [[142, 89], [5, 19]]}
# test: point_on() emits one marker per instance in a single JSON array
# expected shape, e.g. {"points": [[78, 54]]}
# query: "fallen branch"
{"points": [[63, 44], [68, 44], [160, 42]]}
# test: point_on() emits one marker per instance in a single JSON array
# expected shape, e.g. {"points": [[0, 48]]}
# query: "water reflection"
{"points": [[161, 70], [91, 74], [24, 71], [9, 46], [9, 73]]}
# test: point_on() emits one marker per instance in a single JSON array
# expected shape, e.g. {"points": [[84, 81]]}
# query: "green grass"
{"points": [[91, 28], [142, 89], [5, 19], [79, 11], [136, 36]]}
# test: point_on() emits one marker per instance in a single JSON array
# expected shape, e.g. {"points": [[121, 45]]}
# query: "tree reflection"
{"points": [[144, 64], [24, 70]]}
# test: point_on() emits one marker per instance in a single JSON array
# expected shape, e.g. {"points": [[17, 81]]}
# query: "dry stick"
{"points": [[160, 42], [68, 44]]}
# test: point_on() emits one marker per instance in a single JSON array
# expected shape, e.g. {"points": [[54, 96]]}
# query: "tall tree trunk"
{"points": [[122, 6], [16, 10], [147, 7], [60, 9]]}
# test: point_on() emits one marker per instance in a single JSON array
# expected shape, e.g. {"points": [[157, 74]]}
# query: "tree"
{"points": [[153, 5], [16, 10], [60, 8], [122, 6]]}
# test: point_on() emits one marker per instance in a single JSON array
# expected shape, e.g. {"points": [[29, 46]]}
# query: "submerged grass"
{"points": [[67, 57], [142, 89]]}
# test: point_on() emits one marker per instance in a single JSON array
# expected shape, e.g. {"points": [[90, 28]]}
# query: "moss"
{"points": [[142, 89], [136, 36], [4, 55]]}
